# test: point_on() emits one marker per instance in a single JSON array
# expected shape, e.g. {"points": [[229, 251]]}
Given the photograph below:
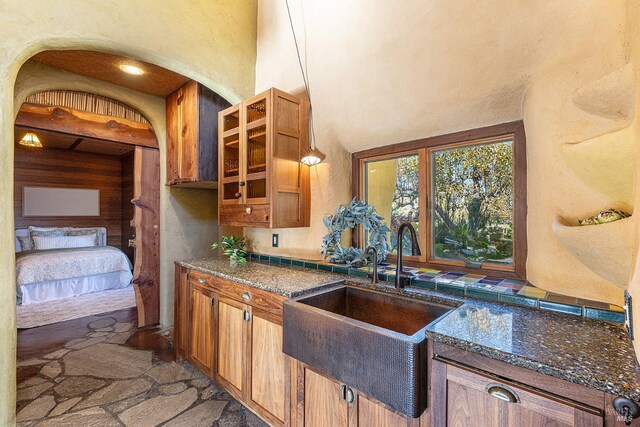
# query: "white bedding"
{"points": [[61, 273]]}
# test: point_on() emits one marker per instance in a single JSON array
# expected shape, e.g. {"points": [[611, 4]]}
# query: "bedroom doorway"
{"points": [[87, 184]]}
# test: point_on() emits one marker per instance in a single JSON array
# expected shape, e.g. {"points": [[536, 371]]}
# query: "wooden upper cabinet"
{"points": [[192, 128], [261, 180]]}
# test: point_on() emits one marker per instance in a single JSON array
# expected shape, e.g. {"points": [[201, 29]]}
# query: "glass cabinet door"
{"points": [[231, 157], [255, 153]]}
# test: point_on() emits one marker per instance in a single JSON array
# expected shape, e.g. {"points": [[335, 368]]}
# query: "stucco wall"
{"points": [[385, 72], [210, 41]]}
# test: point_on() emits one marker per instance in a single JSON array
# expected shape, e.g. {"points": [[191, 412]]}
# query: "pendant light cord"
{"points": [[304, 76]]}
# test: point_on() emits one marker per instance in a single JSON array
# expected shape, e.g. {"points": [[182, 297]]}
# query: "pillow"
{"points": [[64, 242], [45, 231], [77, 231], [26, 244]]}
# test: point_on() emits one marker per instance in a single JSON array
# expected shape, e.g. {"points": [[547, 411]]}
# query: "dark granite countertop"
{"points": [[584, 351], [280, 279]]}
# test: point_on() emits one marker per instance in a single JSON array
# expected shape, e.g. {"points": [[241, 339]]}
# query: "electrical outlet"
{"points": [[274, 240], [628, 313]]}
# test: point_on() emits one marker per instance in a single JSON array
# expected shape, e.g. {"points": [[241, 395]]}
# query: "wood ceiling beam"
{"points": [[75, 144], [87, 125]]}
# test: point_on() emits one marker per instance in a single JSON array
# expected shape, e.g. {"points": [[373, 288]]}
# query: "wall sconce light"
{"points": [[30, 139]]}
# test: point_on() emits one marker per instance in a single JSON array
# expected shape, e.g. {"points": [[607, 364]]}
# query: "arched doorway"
{"points": [[70, 122]]}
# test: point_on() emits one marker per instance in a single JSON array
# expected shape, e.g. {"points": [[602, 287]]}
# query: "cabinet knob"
{"points": [[246, 296], [627, 408], [238, 195], [248, 210], [503, 393], [242, 183], [201, 280]]}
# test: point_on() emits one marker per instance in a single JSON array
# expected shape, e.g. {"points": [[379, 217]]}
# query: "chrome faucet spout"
{"points": [[403, 278]]}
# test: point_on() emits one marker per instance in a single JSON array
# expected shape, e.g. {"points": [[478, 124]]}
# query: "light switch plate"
{"points": [[274, 240]]}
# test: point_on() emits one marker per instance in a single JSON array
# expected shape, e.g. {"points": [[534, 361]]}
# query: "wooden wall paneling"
{"points": [[83, 124], [61, 168], [147, 206], [127, 210]]}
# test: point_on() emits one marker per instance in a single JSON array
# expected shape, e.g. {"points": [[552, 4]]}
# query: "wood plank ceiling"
{"points": [[105, 66]]}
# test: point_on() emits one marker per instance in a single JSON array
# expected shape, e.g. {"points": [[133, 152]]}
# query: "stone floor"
{"points": [[97, 380]]}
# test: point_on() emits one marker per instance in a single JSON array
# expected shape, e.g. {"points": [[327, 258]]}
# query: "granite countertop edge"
{"points": [[533, 365], [292, 294]]}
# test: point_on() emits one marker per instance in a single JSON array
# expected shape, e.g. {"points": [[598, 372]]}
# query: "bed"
{"points": [[63, 272]]}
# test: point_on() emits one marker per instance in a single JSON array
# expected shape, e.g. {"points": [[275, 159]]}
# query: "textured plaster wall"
{"points": [[633, 44], [386, 72], [210, 41]]}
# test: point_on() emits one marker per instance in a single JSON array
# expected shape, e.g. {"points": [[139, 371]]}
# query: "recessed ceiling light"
{"points": [[132, 69]]}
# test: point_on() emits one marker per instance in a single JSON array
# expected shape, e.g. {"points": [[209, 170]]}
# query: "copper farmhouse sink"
{"points": [[373, 341]]}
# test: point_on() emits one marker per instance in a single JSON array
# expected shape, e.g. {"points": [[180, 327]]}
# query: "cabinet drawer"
{"points": [[246, 294], [245, 215]]}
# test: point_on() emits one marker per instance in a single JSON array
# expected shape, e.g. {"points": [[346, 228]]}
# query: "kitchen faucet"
{"points": [[374, 277], [403, 278]]}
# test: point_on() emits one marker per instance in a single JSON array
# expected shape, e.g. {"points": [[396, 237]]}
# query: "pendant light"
{"points": [[312, 156], [30, 139]]}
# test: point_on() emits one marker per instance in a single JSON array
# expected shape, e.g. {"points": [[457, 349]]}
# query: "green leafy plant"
{"points": [[233, 247]]}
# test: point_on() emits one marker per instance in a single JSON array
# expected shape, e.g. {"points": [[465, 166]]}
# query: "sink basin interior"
{"points": [[392, 312]]}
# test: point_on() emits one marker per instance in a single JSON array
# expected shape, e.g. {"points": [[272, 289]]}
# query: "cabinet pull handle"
{"points": [[201, 280], [246, 296], [503, 393], [246, 316], [343, 391], [351, 395]]}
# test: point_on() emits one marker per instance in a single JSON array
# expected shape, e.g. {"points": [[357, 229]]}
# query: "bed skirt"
{"points": [[65, 288]]}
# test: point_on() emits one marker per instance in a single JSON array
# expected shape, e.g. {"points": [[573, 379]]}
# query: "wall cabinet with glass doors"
{"points": [[261, 180]]}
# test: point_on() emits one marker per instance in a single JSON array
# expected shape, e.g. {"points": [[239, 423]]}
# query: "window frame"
{"points": [[424, 148]]}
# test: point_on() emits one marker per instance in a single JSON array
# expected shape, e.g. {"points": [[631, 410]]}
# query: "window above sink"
{"points": [[465, 193]]}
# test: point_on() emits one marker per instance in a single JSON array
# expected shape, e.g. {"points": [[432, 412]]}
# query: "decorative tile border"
{"points": [[493, 288]]}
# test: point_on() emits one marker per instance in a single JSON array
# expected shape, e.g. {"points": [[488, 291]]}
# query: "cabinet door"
{"points": [[201, 329], [371, 413], [188, 119], [256, 149], [324, 404], [474, 399], [231, 339], [269, 366], [229, 156]]}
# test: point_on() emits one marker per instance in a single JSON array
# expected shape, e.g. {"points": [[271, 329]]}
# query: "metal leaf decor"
{"points": [[357, 212]]}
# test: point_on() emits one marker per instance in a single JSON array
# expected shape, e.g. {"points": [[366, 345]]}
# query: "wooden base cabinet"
{"points": [[201, 327], [468, 397], [323, 401], [233, 334]]}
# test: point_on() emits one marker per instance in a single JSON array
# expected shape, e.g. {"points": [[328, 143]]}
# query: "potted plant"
{"points": [[233, 247]]}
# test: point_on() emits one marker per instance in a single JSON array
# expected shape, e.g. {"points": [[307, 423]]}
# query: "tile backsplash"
{"points": [[493, 288]]}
